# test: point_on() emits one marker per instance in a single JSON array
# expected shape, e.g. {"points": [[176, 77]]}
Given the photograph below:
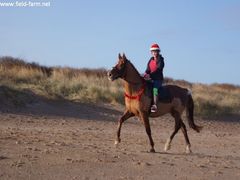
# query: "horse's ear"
{"points": [[119, 56], [124, 56]]}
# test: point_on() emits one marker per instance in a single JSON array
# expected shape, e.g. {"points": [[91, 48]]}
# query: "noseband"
{"points": [[121, 74]]}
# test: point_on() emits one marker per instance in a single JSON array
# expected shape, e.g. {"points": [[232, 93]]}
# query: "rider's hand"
{"points": [[147, 76]]}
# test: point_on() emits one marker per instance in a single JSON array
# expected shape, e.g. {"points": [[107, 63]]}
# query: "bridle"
{"points": [[122, 74]]}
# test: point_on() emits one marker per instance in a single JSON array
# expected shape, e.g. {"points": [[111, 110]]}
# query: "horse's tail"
{"points": [[190, 112]]}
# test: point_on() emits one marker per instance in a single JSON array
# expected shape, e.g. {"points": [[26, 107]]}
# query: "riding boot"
{"points": [[154, 106]]}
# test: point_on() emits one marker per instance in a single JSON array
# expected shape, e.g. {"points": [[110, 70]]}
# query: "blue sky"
{"points": [[200, 40]]}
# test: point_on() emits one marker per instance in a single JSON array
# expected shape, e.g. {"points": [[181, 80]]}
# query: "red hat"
{"points": [[154, 47]]}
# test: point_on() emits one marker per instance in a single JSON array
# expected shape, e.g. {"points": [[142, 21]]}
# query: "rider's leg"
{"points": [[156, 85], [155, 98]]}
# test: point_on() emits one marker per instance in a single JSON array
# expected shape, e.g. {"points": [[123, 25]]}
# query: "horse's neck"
{"points": [[132, 80]]}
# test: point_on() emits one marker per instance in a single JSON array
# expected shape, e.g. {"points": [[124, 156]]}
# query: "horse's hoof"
{"points": [[188, 149], [167, 147], [116, 142], [152, 151]]}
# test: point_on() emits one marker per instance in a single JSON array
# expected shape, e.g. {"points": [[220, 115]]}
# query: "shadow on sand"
{"points": [[27, 102]]}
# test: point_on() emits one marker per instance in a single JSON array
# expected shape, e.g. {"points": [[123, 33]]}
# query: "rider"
{"points": [[154, 72]]}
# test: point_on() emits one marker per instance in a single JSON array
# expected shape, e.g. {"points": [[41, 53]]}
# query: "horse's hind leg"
{"points": [[124, 117], [176, 116], [184, 130]]}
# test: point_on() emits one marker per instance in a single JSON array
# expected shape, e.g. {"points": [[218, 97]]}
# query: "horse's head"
{"points": [[119, 70]]}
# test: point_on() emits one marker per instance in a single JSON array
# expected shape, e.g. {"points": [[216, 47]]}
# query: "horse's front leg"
{"points": [[127, 114], [145, 120]]}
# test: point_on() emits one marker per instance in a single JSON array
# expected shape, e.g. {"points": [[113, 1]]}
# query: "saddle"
{"points": [[164, 95]]}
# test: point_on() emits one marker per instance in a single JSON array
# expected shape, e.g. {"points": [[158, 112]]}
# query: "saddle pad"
{"points": [[164, 95]]}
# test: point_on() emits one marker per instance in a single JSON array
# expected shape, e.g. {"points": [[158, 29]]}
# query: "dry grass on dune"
{"points": [[86, 85], [217, 99], [92, 85]]}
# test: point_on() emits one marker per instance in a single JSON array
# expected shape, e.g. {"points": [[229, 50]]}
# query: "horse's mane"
{"points": [[134, 68]]}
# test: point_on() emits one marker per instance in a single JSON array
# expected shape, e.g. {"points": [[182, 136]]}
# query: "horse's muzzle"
{"points": [[110, 76]]}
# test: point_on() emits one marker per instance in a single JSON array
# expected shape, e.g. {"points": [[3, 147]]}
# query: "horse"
{"points": [[138, 103]]}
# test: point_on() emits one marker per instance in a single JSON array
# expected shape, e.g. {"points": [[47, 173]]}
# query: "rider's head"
{"points": [[155, 50]]}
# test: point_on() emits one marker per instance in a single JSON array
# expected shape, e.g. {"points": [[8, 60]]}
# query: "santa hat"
{"points": [[154, 47]]}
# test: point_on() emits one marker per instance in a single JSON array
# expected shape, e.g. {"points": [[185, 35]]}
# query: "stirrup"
{"points": [[154, 108]]}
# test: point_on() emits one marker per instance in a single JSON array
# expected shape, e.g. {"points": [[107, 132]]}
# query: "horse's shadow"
{"points": [[165, 153], [193, 154]]}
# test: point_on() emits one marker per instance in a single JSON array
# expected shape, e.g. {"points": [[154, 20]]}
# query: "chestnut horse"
{"points": [[138, 102]]}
